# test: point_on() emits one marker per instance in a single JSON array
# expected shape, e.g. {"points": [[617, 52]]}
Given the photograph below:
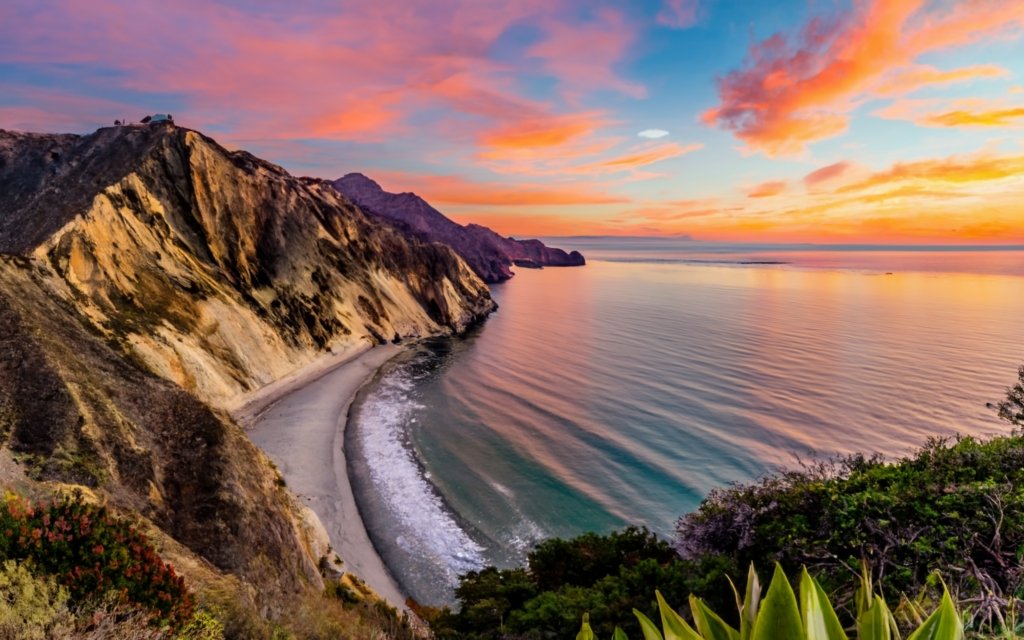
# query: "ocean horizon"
{"points": [[624, 391]]}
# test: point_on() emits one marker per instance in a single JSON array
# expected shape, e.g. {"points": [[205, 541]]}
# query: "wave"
{"points": [[418, 524]]}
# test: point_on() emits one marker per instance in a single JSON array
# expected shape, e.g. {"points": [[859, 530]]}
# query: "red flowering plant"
{"points": [[94, 555]]}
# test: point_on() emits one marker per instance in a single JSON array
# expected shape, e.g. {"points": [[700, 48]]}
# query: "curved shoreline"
{"points": [[301, 426]]}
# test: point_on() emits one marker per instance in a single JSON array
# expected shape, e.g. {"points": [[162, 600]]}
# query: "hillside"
{"points": [[489, 254], [150, 279], [219, 271]]}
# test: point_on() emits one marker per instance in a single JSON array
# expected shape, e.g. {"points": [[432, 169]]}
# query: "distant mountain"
{"points": [[148, 279], [488, 253]]}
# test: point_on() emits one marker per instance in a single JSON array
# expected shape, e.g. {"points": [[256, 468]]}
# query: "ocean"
{"points": [[624, 391]]}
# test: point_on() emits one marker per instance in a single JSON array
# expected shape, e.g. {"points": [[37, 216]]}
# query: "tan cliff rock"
{"points": [[223, 273], [149, 279]]}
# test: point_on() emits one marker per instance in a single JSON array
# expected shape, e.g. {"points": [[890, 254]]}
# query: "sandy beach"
{"points": [[299, 422]]}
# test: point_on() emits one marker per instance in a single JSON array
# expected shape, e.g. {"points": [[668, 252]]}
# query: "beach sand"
{"points": [[299, 422]]}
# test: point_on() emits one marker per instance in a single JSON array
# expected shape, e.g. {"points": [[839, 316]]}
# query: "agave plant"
{"points": [[781, 616]]}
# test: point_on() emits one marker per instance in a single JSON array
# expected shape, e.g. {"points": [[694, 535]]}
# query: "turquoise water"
{"points": [[624, 391]]}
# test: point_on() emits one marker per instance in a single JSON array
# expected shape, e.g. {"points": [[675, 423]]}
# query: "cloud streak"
{"points": [[767, 189], [825, 174]]}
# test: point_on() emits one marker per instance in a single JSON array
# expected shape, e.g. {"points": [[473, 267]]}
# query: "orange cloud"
{"points": [[953, 170], [826, 173], [540, 131], [530, 225], [791, 94], [767, 189], [993, 118], [450, 189], [969, 112], [908, 79], [369, 118], [639, 159]]}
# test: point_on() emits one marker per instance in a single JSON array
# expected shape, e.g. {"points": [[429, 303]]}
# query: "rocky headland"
{"points": [[150, 282], [489, 254]]}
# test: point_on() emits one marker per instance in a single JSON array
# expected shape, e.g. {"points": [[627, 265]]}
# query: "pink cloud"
{"points": [[456, 190], [826, 173], [792, 92], [356, 72], [584, 55], [767, 189]]}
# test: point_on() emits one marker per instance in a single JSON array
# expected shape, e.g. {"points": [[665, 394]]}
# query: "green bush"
{"points": [[31, 607], [956, 507], [94, 556], [608, 575]]}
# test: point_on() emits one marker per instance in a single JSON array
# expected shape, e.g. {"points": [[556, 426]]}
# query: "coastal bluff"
{"points": [[490, 254], [150, 282]]}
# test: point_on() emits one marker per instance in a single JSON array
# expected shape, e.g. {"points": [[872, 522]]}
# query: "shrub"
{"points": [[609, 575], [93, 555], [31, 608], [955, 507]]}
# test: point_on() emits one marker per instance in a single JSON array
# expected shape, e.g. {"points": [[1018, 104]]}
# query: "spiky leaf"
{"points": [[710, 626], [943, 624], [873, 624], [673, 624], [586, 633], [748, 606], [819, 618], [650, 631], [779, 616]]}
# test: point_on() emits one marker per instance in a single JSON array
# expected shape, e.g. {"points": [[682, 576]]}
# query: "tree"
{"points": [[1012, 409]]}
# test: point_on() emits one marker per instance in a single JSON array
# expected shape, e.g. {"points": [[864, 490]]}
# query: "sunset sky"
{"points": [[883, 121]]}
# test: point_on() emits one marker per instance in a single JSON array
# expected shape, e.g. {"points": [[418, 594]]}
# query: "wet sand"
{"points": [[300, 423]]}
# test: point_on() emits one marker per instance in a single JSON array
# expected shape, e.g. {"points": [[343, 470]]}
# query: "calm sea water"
{"points": [[624, 391]]}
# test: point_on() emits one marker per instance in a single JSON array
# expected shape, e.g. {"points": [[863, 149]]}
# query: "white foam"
{"points": [[524, 533], [428, 529]]}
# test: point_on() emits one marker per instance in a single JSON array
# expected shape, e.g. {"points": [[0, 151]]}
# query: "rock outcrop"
{"points": [[149, 278], [488, 253]]}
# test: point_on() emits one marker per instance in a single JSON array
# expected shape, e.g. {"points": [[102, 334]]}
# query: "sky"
{"points": [[831, 121]]}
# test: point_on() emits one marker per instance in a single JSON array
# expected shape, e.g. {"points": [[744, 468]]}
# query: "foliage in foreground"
{"points": [[956, 507], [34, 607], [607, 575], [73, 571], [93, 556], [781, 616]]}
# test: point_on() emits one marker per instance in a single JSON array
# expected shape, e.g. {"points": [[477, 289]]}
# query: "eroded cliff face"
{"points": [[148, 279], [77, 413], [220, 271]]}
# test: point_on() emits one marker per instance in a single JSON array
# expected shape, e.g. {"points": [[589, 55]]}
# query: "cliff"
{"points": [[488, 253], [149, 279], [219, 271]]}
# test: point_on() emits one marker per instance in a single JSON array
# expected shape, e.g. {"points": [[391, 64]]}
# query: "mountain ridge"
{"points": [[490, 254]]}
